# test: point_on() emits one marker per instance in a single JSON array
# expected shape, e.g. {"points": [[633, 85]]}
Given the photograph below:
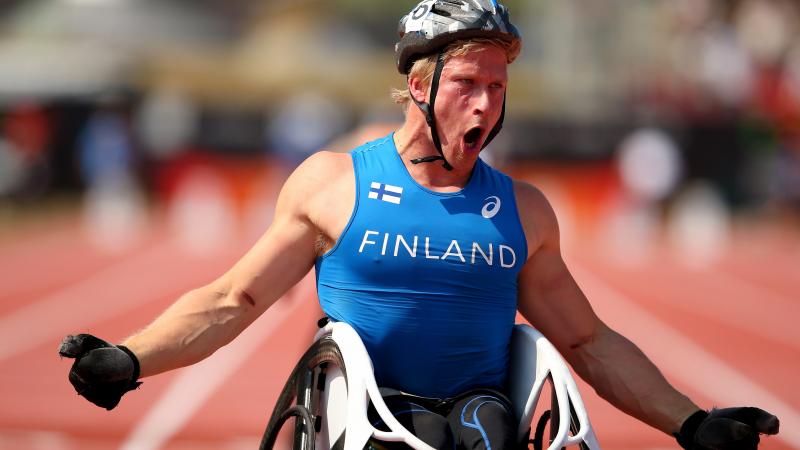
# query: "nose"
{"points": [[481, 102]]}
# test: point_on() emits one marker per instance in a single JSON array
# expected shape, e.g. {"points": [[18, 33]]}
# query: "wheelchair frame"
{"points": [[337, 367]]}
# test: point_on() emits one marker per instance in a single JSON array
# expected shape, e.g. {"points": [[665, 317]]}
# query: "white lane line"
{"points": [[776, 314], [770, 315], [34, 440], [195, 384], [118, 288], [688, 362]]}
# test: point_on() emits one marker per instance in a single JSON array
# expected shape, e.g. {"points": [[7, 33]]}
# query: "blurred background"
{"points": [[100, 96], [143, 138]]}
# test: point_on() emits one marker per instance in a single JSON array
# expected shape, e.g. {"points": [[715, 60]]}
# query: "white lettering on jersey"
{"points": [[510, 252], [476, 246], [454, 244], [385, 241], [427, 247], [399, 239], [366, 240], [506, 254]]}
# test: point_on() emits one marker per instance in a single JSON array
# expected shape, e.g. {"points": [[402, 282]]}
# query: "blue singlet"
{"points": [[427, 279]]}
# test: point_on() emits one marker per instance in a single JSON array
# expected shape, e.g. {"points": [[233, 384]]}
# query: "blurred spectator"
{"points": [[105, 147], [28, 128], [650, 165], [304, 124], [114, 208], [27, 131], [166, 121], [12, 169]]}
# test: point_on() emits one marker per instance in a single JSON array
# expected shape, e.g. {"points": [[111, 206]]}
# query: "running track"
{"points": [[725, 335]]}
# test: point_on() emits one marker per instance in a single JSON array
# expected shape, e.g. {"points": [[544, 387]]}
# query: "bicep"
{"points": [[285, 252], [549, 297], [280, 259], [552, 302]]}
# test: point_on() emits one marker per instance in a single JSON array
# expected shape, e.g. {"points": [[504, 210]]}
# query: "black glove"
{"points": [[102, 372], [726, 429]]}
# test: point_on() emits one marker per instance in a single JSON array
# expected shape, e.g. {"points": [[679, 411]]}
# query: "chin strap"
{"points": [[498, 126], [427, 110]]}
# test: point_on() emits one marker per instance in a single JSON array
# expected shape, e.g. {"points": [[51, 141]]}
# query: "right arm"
{"points": [[205, 319]]}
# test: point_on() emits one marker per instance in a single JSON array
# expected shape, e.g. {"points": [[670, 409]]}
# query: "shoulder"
{"points": [[536, 215], [317, 176], [529, 197], [320, 170], [324, 165]]}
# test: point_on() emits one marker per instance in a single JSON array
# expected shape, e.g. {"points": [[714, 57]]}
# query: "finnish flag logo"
{"points": [[385, 192]]}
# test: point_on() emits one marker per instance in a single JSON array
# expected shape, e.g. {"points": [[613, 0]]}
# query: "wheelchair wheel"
{"points": [[300, 397]]}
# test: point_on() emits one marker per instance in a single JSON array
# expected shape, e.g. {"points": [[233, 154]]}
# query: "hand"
{"points": [[726, 429], [102, 372]]}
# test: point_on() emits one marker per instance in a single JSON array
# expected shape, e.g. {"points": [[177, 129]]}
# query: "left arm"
{"points": [[550, 299]]}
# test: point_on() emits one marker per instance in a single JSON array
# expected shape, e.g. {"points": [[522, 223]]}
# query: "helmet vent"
{"points": [[440, 11]]}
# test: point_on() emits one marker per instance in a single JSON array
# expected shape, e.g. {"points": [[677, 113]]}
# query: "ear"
{"points": [[417, 89]]}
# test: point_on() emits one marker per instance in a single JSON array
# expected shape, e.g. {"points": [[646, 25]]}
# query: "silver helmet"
{"points": [[434, 24]]}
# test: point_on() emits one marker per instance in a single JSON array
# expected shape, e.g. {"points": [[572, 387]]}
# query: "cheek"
{"points": [[498, 96], [497, 103], [451, 106]]}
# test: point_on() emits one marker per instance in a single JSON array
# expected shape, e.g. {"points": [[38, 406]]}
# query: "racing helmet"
{"points": [[433, 25]]}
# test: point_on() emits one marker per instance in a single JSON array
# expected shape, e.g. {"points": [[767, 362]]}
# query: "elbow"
{"points": [[587, 338], [232, 293], [586, 351], [243, 297], [233, 310], [582, 341]]}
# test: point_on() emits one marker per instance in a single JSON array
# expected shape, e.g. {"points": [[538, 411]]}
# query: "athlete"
{"points": [[428, 252]]}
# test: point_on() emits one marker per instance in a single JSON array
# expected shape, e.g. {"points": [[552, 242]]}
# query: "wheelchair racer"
{"points": [[428, 252]]}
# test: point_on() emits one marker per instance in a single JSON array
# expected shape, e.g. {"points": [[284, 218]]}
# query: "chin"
{"points": [[466, 155]]}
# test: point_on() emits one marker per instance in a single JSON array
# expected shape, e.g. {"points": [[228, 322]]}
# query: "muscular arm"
{"points": [[551, 301], [205, 319]]}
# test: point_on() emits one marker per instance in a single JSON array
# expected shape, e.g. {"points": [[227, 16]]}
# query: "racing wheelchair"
{"points": [[331, 387]]}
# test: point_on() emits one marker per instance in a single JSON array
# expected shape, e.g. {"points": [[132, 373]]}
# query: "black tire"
{"points": [[300, 395]]}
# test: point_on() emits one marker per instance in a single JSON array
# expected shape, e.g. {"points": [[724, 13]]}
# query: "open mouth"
{"points": [[471, 136]]}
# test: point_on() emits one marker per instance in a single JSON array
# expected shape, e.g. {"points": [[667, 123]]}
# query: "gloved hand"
{"points": [[726, 429], [102, 372]]}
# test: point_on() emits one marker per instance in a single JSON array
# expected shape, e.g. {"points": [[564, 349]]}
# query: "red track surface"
{"points": [[741, 314]]}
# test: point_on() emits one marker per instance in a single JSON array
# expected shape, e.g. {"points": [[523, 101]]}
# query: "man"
{"points": [[427, 252]]}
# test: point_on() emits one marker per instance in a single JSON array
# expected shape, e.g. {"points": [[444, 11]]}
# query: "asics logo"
{"points": [[491, 208]]}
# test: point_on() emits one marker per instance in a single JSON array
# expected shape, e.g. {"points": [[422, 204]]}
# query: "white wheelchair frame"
{"points": [[331, 388]]}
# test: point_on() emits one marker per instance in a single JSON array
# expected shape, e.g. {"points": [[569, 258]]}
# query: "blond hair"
{"points": [[423, 68]]}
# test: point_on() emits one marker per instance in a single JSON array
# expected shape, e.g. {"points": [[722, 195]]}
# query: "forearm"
{"points": [[625, 377], [193, 328]]}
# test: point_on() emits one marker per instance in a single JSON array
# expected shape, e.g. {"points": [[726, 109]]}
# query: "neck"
{"points": [[413, 140]]}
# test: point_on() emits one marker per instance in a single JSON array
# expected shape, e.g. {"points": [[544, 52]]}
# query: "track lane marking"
{"points": [[778, 322], [114, 290], [770, 315], [75, 305], [709, 374], [192, 387]]}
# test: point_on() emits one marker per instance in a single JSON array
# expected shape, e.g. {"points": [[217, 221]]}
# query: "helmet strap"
{"points": [[498, 126], [427, 110]]}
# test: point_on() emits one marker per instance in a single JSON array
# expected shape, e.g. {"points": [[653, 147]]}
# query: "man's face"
{"points": [[469, 101]]}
